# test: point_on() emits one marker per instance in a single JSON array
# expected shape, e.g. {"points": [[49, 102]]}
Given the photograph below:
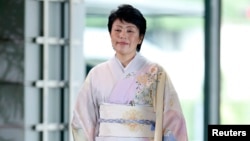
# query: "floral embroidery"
{"points": [[131, 74], [132, 115], [171, 102], [146, 86]]}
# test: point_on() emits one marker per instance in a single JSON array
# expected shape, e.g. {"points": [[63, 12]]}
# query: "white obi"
{"points": [[126, 121]]}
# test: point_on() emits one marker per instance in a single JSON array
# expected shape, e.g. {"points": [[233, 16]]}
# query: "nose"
{"points": [[123, 34]]}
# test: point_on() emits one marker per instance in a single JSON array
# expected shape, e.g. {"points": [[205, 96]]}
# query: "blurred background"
{"points": [[47, 47]]}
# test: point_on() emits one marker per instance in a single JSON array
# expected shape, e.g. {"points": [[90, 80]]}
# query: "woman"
{"points": [[128, 98]]}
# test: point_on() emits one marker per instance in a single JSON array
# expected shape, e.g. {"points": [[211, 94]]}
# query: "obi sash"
{"points": [[118, 120], [133, 121], [121, 139]]}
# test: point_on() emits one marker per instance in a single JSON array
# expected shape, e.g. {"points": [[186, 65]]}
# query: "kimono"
{"points": [[119, 104]]}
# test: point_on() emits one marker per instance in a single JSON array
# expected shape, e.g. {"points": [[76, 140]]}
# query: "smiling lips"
{"points": [[122, 43]]}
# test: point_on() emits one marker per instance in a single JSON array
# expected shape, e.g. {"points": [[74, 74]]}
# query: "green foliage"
{"points": [[174, 23], [169, 23], [235, 11], [232, 11], [96, 21], [235, 112]]}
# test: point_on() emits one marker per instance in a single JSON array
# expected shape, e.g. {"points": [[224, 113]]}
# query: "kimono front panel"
{"points": [[101, 82]]}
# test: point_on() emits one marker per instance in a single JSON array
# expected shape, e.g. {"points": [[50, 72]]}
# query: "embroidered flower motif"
{"points": [[142, 79], [153, 69], [131, 74], [133, 115], [171, 102], [146, 86]]}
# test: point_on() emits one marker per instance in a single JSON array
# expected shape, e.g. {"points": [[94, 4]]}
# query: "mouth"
{"points": [[122, 43]]}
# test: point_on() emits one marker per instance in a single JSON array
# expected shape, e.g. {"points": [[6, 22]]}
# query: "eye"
{"points": [[131, 30], [118, 30]]}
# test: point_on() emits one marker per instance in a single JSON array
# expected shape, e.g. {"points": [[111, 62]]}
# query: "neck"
{"points": [[125, 59]]}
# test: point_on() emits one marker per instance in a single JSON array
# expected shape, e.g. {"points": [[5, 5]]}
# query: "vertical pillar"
{"points": [[42, 67], [12, 69], [212, 64]]}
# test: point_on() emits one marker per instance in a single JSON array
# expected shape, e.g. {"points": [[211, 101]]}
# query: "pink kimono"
{"points": [[118, 104]]}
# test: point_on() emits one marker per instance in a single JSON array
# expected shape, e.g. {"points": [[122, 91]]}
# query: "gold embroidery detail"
{"points": [[132, 115], [142, 79], [171, 102]]}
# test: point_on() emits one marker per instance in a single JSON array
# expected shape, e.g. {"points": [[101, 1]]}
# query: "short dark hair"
{"points": [[128, 13]]}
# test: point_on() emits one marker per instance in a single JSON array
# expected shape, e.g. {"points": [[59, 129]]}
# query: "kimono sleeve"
{"points": [[174, 124], [84, 114]]}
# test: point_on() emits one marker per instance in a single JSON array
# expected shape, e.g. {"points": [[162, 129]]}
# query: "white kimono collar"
{"points": [[134, 65]]}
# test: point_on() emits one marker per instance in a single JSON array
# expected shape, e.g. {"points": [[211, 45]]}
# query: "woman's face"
{"points": [[125, 38]]}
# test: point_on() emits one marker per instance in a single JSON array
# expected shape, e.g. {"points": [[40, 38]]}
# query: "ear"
{"points": [[141, 39]]}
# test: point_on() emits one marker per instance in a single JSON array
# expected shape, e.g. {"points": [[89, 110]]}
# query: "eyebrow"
{"points": [[129, 26]]}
